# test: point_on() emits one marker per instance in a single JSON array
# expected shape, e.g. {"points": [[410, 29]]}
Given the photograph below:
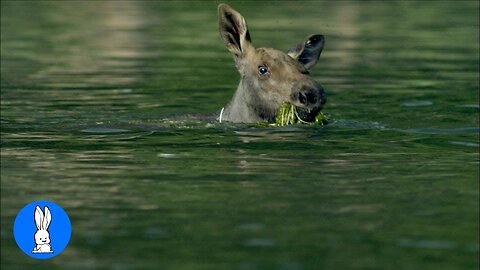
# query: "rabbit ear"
{"points": [[47, 218], [38, 217]]}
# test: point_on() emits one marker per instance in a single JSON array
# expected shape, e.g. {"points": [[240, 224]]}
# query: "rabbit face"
{"points": [[42, 237]]}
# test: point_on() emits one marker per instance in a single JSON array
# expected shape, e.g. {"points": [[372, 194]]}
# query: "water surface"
{"points": [[94, 98]]}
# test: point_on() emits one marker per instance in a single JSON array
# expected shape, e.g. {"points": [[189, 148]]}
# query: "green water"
{"points": [[391, 183]]}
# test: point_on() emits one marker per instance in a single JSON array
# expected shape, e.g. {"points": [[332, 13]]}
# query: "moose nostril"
{"points": [[307, 97], [302, 97]]}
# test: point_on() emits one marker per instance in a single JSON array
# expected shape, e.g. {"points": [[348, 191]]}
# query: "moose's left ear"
{"points": [[308, 52]]}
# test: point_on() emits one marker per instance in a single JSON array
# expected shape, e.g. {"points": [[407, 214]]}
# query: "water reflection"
{"points": [[107, 51]]}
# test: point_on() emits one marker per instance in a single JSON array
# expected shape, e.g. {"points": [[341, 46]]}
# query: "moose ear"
{"points": [[308, 52], [233, 30]]}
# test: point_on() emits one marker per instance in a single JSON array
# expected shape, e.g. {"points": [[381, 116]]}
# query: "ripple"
{"points": [[468, 144], [104, 130], [475, 106], [259, 242], [418, 103], [440, 131], [428, 244], [168, 155]]}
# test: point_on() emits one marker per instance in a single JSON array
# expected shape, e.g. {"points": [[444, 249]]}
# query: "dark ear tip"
{"points": [[316, 38]]}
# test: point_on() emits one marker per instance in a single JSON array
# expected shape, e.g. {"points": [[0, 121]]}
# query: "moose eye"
{"points": [[262, 70]]}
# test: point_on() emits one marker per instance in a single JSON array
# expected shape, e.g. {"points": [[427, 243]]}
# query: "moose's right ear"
{"points": [[233, 30]]}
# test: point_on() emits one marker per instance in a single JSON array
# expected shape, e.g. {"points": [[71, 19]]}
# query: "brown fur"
{"points": [[259, 96]]}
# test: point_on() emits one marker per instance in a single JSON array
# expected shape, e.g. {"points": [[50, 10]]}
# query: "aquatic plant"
{"points": [[288, 115]]}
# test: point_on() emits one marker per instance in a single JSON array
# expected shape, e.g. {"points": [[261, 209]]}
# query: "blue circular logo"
{"points": [[42, 229]]}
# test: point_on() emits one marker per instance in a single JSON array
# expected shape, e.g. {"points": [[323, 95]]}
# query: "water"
{"points": [[95, 105]]}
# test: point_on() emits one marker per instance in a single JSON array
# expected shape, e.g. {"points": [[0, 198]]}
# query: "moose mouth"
{"points": [[307, 115], [289, 114]]}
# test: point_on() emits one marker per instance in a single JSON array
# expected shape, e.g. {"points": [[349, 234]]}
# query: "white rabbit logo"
{"points": [[42, 236]]}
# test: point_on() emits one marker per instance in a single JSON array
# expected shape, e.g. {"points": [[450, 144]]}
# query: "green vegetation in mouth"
{"points": [[287, 115]]}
